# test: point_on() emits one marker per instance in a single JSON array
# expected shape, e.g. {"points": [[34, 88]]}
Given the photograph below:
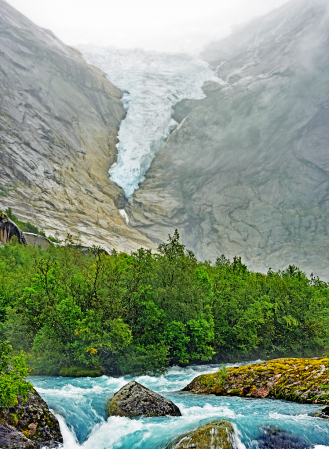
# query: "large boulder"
{"points": [[135, 400], [215, 435], [31, 423]]}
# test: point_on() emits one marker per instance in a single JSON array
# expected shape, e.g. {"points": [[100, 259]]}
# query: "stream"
{"points": [[80, 403]]}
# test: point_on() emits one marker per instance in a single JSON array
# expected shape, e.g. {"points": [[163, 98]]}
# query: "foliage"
{"points": [[143, 312], [13, 374], [222, 376]]}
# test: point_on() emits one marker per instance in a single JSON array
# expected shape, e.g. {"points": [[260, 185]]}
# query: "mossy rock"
{"points": [[77, 371], [215, 435], [291, 379]]}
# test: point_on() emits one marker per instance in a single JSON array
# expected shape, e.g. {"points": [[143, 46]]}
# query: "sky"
{"points": [[161, 25]]}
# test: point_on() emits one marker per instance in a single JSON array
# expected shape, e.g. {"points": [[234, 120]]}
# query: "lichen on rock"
{"points": [[215, 435], [31, 422], [298, 380]]}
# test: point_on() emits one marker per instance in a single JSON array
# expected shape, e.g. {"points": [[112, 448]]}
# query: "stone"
{"points": [[275, 438], [216, 435], [32, 420], [136, 400], [11, 438]]}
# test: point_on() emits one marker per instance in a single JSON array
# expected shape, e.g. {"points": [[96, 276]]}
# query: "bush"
{"points": [[13, 373]]}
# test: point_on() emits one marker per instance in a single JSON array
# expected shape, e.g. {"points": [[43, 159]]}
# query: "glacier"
{"points": [[152, 83]]}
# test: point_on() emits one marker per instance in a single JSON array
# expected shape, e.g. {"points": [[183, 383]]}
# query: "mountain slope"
{"points": [[246, 172], [59, 119]]}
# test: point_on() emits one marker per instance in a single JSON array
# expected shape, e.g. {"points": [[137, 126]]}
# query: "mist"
{"points": [[170, 26]]}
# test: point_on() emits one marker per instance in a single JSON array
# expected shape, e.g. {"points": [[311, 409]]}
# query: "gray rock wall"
{"points": [[59, 119], [247, 172]]}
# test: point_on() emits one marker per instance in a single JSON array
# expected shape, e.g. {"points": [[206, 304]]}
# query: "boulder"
{"points": [[32, 420], [11, 438], [215, 435], [274, 437], [135, 400]]}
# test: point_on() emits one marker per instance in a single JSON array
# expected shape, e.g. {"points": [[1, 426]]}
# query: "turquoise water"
{"points": [[80, 407]]}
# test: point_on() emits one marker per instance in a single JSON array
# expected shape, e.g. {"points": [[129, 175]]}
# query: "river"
{"points": [[80, 403]]}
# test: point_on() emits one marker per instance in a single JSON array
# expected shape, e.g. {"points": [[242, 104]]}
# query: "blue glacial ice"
{"points": [[152, 83]]}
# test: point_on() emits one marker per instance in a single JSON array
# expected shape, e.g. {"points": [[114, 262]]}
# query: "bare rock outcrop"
{"points": [[247, 172], [59, 119]]}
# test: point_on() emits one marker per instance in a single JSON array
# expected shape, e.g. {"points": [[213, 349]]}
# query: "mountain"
{"points": [[246, 171], [59, 119]]}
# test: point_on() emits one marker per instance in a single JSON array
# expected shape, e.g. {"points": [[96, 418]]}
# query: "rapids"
{"points": [[79, 404], [152, 83]]}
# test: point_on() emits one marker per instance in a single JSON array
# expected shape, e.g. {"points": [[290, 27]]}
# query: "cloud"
{"points": [[170, 25]]}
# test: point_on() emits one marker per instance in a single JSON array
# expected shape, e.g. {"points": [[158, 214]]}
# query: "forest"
{"points": [[75, 314]]}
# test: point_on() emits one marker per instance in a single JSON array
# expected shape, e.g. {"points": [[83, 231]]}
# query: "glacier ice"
{"points": [[152, 83]]}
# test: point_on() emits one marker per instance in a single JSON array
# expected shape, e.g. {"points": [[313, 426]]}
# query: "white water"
{"points": [[153, 82], [80, 407]]}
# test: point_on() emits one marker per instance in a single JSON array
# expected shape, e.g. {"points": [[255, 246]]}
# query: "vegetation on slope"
{"points": [[142, 312]]}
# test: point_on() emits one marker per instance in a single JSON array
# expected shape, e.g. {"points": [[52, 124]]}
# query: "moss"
{"points": [[298, 380]]}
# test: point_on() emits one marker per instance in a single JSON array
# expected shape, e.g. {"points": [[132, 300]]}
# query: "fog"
{"points": [[171, 25]]}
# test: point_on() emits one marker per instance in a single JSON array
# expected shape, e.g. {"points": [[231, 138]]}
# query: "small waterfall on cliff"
{"points": [[152, 83], [80, 405]]}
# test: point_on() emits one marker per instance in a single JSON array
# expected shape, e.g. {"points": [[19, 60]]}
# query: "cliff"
{"points": [[246, 172], [59, 119]]}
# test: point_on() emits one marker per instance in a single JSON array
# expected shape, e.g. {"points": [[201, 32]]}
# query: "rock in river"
{"points": [[29, 425], [215, 435], [135, 400]]}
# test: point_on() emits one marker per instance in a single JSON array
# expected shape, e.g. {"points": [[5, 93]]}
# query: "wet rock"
{"points": [[11, 438], [135, 400], [274, 438], [215, 435], [324, 413], [34, 421]]}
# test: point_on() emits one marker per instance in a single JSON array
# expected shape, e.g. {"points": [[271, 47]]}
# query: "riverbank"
{"points": [[292, 379], [80, 406]]}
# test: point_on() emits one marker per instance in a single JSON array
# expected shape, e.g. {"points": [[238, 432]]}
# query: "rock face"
{"points": [[135, 400], [8, 230], [298, 380], [59, 119], [247, 171], [215, 435], [29, 425]]}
